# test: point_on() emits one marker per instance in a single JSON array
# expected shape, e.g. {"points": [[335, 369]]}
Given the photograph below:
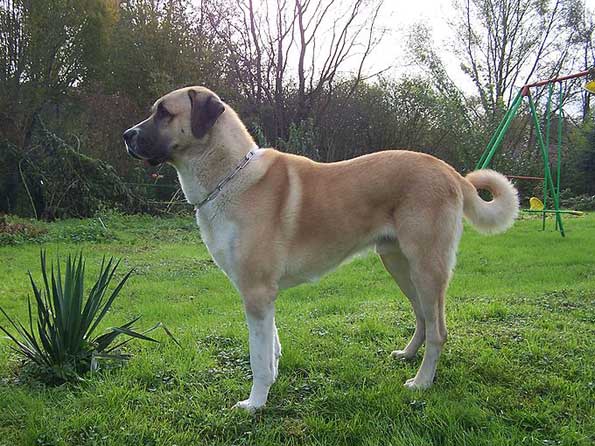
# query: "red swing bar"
{"points": [[522, 177], [526, 87]]}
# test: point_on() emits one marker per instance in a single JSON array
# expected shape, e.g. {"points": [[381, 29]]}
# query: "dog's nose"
{"points": [[129, 136]]}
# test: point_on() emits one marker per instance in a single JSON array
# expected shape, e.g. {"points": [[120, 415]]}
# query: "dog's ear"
{"points": [[206, 108]]}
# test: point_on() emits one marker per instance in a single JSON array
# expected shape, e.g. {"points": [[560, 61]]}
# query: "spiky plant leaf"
{"points": [[61, 341]]}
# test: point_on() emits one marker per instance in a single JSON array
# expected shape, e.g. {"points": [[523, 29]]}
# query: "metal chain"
{"points": [[243, 163]]}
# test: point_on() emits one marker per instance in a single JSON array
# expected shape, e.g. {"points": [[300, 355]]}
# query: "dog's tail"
{"points": [[497, 215]]}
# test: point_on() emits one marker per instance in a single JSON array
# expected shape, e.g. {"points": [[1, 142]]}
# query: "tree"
{"points": [[506, 42], [273, 53], [158, 45], [46, 47], [423, 54], [585, 32]]}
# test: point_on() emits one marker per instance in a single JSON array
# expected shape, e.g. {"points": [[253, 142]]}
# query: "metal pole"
{"points": [[496, 133], [510, 116], [548, 111], [558, 79], [559, 150], [551, 211], [548, 174]]}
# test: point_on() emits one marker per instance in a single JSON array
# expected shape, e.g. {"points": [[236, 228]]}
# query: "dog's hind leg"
{"points": [[397, 265], [431, 288], [431, 254]]}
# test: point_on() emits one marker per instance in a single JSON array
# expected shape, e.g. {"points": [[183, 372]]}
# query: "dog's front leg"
{"points": [[260, 315]]}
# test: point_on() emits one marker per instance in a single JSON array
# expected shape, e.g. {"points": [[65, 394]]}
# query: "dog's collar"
{"points": [[243, 163]]}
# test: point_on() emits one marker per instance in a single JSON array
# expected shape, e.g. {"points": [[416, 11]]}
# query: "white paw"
{"points": [[247, 405], [402, 354], [417, 384]]}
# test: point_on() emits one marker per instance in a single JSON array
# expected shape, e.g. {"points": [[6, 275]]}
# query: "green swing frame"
{"points": [[549, 185]]}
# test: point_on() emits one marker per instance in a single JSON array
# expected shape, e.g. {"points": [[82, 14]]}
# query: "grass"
{"points": [[518, 368]]}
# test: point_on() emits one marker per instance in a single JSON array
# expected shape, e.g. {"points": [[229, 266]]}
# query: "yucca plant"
{"points": [[61, 344]]}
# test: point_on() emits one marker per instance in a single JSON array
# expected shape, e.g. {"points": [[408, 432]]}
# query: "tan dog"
{"points": [[273, 220]]}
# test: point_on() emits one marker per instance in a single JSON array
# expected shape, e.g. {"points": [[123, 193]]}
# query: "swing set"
{"points": [[551, 188]]}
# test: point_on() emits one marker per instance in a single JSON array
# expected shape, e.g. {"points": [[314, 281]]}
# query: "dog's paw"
{"points": [[247, 405], [417, 384], [403, 354]]}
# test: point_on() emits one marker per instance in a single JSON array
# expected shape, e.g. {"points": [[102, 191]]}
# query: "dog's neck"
{"points": [[201, 168]]}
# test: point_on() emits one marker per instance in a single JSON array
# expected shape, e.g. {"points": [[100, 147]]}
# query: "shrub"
{"points": [[582, 202], [52, 179], [15, 232], [61, 345]]}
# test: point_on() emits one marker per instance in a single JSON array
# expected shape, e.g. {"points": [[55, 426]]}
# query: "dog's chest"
{"points": [[220, 236]]}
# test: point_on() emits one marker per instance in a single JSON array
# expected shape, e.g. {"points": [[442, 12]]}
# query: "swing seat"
{"points": [[590, 86], [535, 204]]}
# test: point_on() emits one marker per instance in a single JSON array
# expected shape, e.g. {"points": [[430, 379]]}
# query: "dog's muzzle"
{"points": [[130, 136], [135, 147]]}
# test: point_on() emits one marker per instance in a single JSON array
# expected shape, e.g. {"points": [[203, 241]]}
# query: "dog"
{"points": [[272, 220]]}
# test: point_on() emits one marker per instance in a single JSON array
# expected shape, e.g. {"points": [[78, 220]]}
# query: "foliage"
{"points": [[54, 180], [46, 48], [301, 140], [62, 345], [582, 202], [409, 113], [15, 232], [160, 46], [579, 166]]}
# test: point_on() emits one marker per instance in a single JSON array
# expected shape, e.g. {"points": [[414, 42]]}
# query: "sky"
{"points": [[399, 15]]}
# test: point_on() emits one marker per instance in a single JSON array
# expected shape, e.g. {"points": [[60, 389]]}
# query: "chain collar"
{"points": [[243, 163]]}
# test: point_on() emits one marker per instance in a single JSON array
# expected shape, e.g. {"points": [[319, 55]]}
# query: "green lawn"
{"points": [[518, 368]]}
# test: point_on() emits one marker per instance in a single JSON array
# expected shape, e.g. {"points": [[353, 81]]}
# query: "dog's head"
{"points": [[177, 121]]}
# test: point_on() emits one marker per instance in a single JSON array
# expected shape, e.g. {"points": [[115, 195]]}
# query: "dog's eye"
{"points": [[163, 113]]}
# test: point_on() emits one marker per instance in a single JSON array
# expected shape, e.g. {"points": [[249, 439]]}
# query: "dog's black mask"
{"points": [[144, 142]]}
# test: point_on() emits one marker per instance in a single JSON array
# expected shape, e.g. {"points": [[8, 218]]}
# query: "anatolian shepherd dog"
{"points": [[272, 220]]}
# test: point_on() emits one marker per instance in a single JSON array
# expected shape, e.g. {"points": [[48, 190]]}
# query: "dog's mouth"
{"points": [[148, 162], [154, 162], [133, 154]]}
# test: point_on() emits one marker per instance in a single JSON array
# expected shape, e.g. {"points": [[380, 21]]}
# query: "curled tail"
{"points": [[497, 215]]}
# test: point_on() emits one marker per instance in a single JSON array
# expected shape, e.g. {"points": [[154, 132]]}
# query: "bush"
{"points": [[582, 202], [15, 232], [52, 180]]}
